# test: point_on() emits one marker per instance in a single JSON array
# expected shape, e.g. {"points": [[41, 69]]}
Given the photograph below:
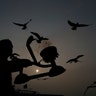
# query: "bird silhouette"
{"points": [[74, 59], [75, 25], [40, 38], [24, 26]]}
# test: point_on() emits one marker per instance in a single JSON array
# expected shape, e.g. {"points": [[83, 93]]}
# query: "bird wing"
{"points": [[71, 23], [79, 56], [36, 34], [28, 21], [82, 25], [18, 24], [45, 38], [70, 60]]}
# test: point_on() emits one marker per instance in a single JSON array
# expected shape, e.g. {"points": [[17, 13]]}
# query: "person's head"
{"points": [[49, 54], [5, 48]]}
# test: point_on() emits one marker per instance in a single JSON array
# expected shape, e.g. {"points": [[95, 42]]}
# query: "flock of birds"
{"points": [[39, 38], [73, 25]]}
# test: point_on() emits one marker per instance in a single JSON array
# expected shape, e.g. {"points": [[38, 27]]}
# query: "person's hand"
{"points": [[29, 40]]}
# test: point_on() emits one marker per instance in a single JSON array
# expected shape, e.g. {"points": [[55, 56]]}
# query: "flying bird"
{"points": [[24, 26], [40, 38], [74, 59], [75, 25]]}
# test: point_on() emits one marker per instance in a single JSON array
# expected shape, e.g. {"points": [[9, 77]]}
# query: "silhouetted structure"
{"points": [[39, 38], [24, 26], [75, 59], [75, 25], [91, 86]]}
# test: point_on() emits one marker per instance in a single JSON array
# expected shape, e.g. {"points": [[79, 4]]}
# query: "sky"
{"points": [[49, 18]]}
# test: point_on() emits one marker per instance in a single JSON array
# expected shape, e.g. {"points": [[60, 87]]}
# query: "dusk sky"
{"points": [[49, 19]]}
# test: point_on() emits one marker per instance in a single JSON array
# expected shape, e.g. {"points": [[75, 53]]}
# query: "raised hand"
{"points": [[29, 40]]}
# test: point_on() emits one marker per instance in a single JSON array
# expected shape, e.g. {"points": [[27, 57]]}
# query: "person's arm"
{"points": [[29, 41]]}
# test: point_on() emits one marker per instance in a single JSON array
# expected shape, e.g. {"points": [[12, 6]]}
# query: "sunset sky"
{"points": [[49, 19]]}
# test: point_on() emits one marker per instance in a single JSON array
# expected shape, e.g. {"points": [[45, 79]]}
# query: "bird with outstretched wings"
{"points": [[39, 38], [75, 25], [24, 26], [74, 59]]}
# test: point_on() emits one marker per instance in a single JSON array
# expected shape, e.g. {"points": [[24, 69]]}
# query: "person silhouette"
{"points": [[28, 45], [7, 66], [19, 64], [6, 49], [49, 55]]}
